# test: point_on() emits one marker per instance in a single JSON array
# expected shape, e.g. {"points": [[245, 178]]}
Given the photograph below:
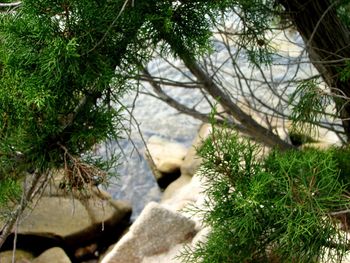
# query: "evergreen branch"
{"points": [[340, 212], [110, 27]]}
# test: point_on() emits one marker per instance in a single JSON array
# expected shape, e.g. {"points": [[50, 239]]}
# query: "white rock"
{"points": [[188, 193], [176, 186], [155, 231], [173, 255], [167, 156]]}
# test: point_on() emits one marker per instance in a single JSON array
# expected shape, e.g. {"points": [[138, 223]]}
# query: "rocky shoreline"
{"points": [[63, 228], [66, 229]]}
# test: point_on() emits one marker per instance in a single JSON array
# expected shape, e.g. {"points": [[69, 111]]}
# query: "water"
{"points": [[136, 183]]}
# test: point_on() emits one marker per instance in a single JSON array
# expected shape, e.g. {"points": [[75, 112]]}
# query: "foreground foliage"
{"points": [[281, 208], [63, 71]]}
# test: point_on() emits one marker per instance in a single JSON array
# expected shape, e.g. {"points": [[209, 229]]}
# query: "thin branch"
{"points": [[10, 4], [109, 28], [191, 112]]}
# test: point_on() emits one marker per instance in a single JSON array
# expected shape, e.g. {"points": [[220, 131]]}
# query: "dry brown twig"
{"points": [[79, 175]]}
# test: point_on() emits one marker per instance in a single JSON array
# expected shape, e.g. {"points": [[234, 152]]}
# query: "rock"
{"points": [[187, 199], [172, 256], [155, 231], [175, 186], [188, 193], [56, 215], [55, 254], [167, 156], [21, 256], [167, 257], [165, 159], [192, 162], [72, 223], [67, 217]]}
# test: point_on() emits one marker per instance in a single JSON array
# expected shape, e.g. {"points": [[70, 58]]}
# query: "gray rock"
{"points": [[75, 223], [155, 231]]}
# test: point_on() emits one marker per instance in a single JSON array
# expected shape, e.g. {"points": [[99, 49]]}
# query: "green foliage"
{"points": [[257, 18], [273, 208], [343, 8], [345, 72], [48, 72], [10, 191], [342, 156], [308, 103], [64, 66]]}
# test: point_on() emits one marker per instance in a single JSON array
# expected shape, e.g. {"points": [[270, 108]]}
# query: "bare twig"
{"points": [[10, 4]]}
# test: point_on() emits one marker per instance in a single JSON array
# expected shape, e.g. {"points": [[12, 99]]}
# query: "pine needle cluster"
{"points": [[279, 208]]}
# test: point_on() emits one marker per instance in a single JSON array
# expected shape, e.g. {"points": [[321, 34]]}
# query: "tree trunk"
{"points": [[328, 43]]}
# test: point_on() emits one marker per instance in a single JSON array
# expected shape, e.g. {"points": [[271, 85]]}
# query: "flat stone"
{"points": [[175, 186]]}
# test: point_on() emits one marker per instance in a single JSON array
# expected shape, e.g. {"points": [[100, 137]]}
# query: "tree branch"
{"points": [[10, 4], [254, 129], [161, 95]]}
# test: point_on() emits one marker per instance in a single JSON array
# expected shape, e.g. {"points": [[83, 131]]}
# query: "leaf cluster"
{"points": [[308, 102], [273, 209], [64, 66]]}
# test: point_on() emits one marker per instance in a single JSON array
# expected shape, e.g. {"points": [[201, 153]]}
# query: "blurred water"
{"points": [[136, 183]]}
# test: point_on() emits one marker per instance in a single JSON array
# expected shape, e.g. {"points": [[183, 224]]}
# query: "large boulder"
{"points": [[173, 255], [186, 196], [189, 167], [175, 186], [189, 193], [157, 230]]}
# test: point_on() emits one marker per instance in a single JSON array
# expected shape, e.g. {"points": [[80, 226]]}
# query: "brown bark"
{"points": [[252, 127], [328, 43]]}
